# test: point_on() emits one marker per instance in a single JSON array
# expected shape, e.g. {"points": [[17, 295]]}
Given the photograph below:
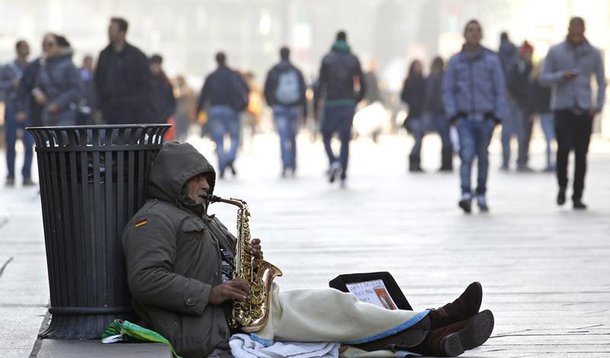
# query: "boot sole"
{"points": [[476, 332]]}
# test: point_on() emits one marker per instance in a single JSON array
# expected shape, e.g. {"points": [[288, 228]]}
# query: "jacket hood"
{"points": [[174, 165], [341, 46]]}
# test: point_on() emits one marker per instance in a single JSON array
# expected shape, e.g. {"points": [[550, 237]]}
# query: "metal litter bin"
{"points": [[92, 180]]}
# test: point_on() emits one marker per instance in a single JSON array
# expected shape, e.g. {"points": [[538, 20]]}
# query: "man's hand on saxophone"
{"points": [[255, 249], [236, 289]]}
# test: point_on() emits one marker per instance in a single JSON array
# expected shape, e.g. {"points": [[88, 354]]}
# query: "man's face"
{"points": [[473, 34], [155, 68], [23, 50], [576, 32], [114, 33], [197, 188], [49, 46]]}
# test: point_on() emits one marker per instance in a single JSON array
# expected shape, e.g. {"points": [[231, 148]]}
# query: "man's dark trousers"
{"points": [[573, 132]]}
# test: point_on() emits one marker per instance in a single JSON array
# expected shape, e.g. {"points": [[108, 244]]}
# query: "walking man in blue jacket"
{"points": [[568, 68], [474, 98]]}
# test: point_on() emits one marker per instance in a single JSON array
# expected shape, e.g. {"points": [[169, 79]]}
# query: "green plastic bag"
{"points": [[125, 331]]}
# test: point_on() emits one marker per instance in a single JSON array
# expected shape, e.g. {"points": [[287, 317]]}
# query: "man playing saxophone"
{"points": [[180, 265]]}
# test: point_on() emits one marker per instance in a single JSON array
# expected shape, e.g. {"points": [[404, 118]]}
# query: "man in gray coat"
{"points": [[568, 68], [180, 261]]}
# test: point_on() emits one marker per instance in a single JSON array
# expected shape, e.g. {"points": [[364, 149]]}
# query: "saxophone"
{"points": [[249, 315]]}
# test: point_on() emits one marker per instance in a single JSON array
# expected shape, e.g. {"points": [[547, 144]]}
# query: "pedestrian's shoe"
{"points": [[10, 182], [334, 171], [466, 202], [453, 340], [561, 196], [464, 307], [482, 203], [28, 182], [577, 204], [524, 169], [446, 169], [414, 165], [232, 168]]}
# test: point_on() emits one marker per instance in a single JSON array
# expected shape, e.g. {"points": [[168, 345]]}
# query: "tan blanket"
{"points": [[328, 315]]}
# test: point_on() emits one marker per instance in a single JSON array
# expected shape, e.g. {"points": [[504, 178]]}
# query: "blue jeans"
{"points": [[338, 119], [548, 128], [223, 121], [442, 125], [287, 124], [511, 126], [11, 127], [418, 130], [475, 136]]}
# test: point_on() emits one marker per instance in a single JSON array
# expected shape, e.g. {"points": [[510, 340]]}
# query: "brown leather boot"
{"points": [[466, 306], [454, 339]]}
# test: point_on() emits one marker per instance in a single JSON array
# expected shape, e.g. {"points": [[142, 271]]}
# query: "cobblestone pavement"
{"points": [[544, 268]]}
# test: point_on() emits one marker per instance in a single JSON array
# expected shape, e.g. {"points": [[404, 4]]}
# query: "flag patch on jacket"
{"points": [[140, 223]]}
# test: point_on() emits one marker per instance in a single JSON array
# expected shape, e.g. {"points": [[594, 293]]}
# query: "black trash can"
{"points": [[92, 180]]}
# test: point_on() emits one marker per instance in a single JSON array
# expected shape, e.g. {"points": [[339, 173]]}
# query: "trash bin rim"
{"points": [[104, 126]]}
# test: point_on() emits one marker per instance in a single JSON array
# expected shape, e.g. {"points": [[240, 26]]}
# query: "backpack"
{"points": [[288, 88]]}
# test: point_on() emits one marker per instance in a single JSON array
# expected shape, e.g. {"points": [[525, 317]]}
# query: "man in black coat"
{"points": [[163, 100], [123, 79], [339, 72]]}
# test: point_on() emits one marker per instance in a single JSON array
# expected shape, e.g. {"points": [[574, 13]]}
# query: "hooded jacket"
{"points": [[173, 257], [340, 68]]}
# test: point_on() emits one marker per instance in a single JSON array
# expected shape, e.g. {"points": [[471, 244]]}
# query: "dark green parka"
{"points": [[173, 257]]}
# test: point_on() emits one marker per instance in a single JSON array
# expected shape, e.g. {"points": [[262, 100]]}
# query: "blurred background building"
{"points": [[393, 32]]}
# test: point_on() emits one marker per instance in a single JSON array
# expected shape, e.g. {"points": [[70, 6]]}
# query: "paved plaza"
{"points": [[544, 269]]}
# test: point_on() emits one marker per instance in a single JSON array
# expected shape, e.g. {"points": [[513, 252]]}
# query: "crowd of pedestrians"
{"points": [[463, 101]]}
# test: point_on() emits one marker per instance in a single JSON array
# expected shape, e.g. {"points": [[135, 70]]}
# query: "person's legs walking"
{"points": [[443, 128], [483, 138], [417, 130], [345, 136], [217, 130], [293, 128], [525, 135], [564, 145], [281, 124], [582, 135], [327, 127], [233, 127], [467, 152], [509, 128], [10, 129], [28, 149], [548, 128]]}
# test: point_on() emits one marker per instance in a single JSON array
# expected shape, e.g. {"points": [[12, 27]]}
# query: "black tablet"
{"points": [[378, 288]]}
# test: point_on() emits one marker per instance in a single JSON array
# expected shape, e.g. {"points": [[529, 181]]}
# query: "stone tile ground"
{"points": [[544, 268]]}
